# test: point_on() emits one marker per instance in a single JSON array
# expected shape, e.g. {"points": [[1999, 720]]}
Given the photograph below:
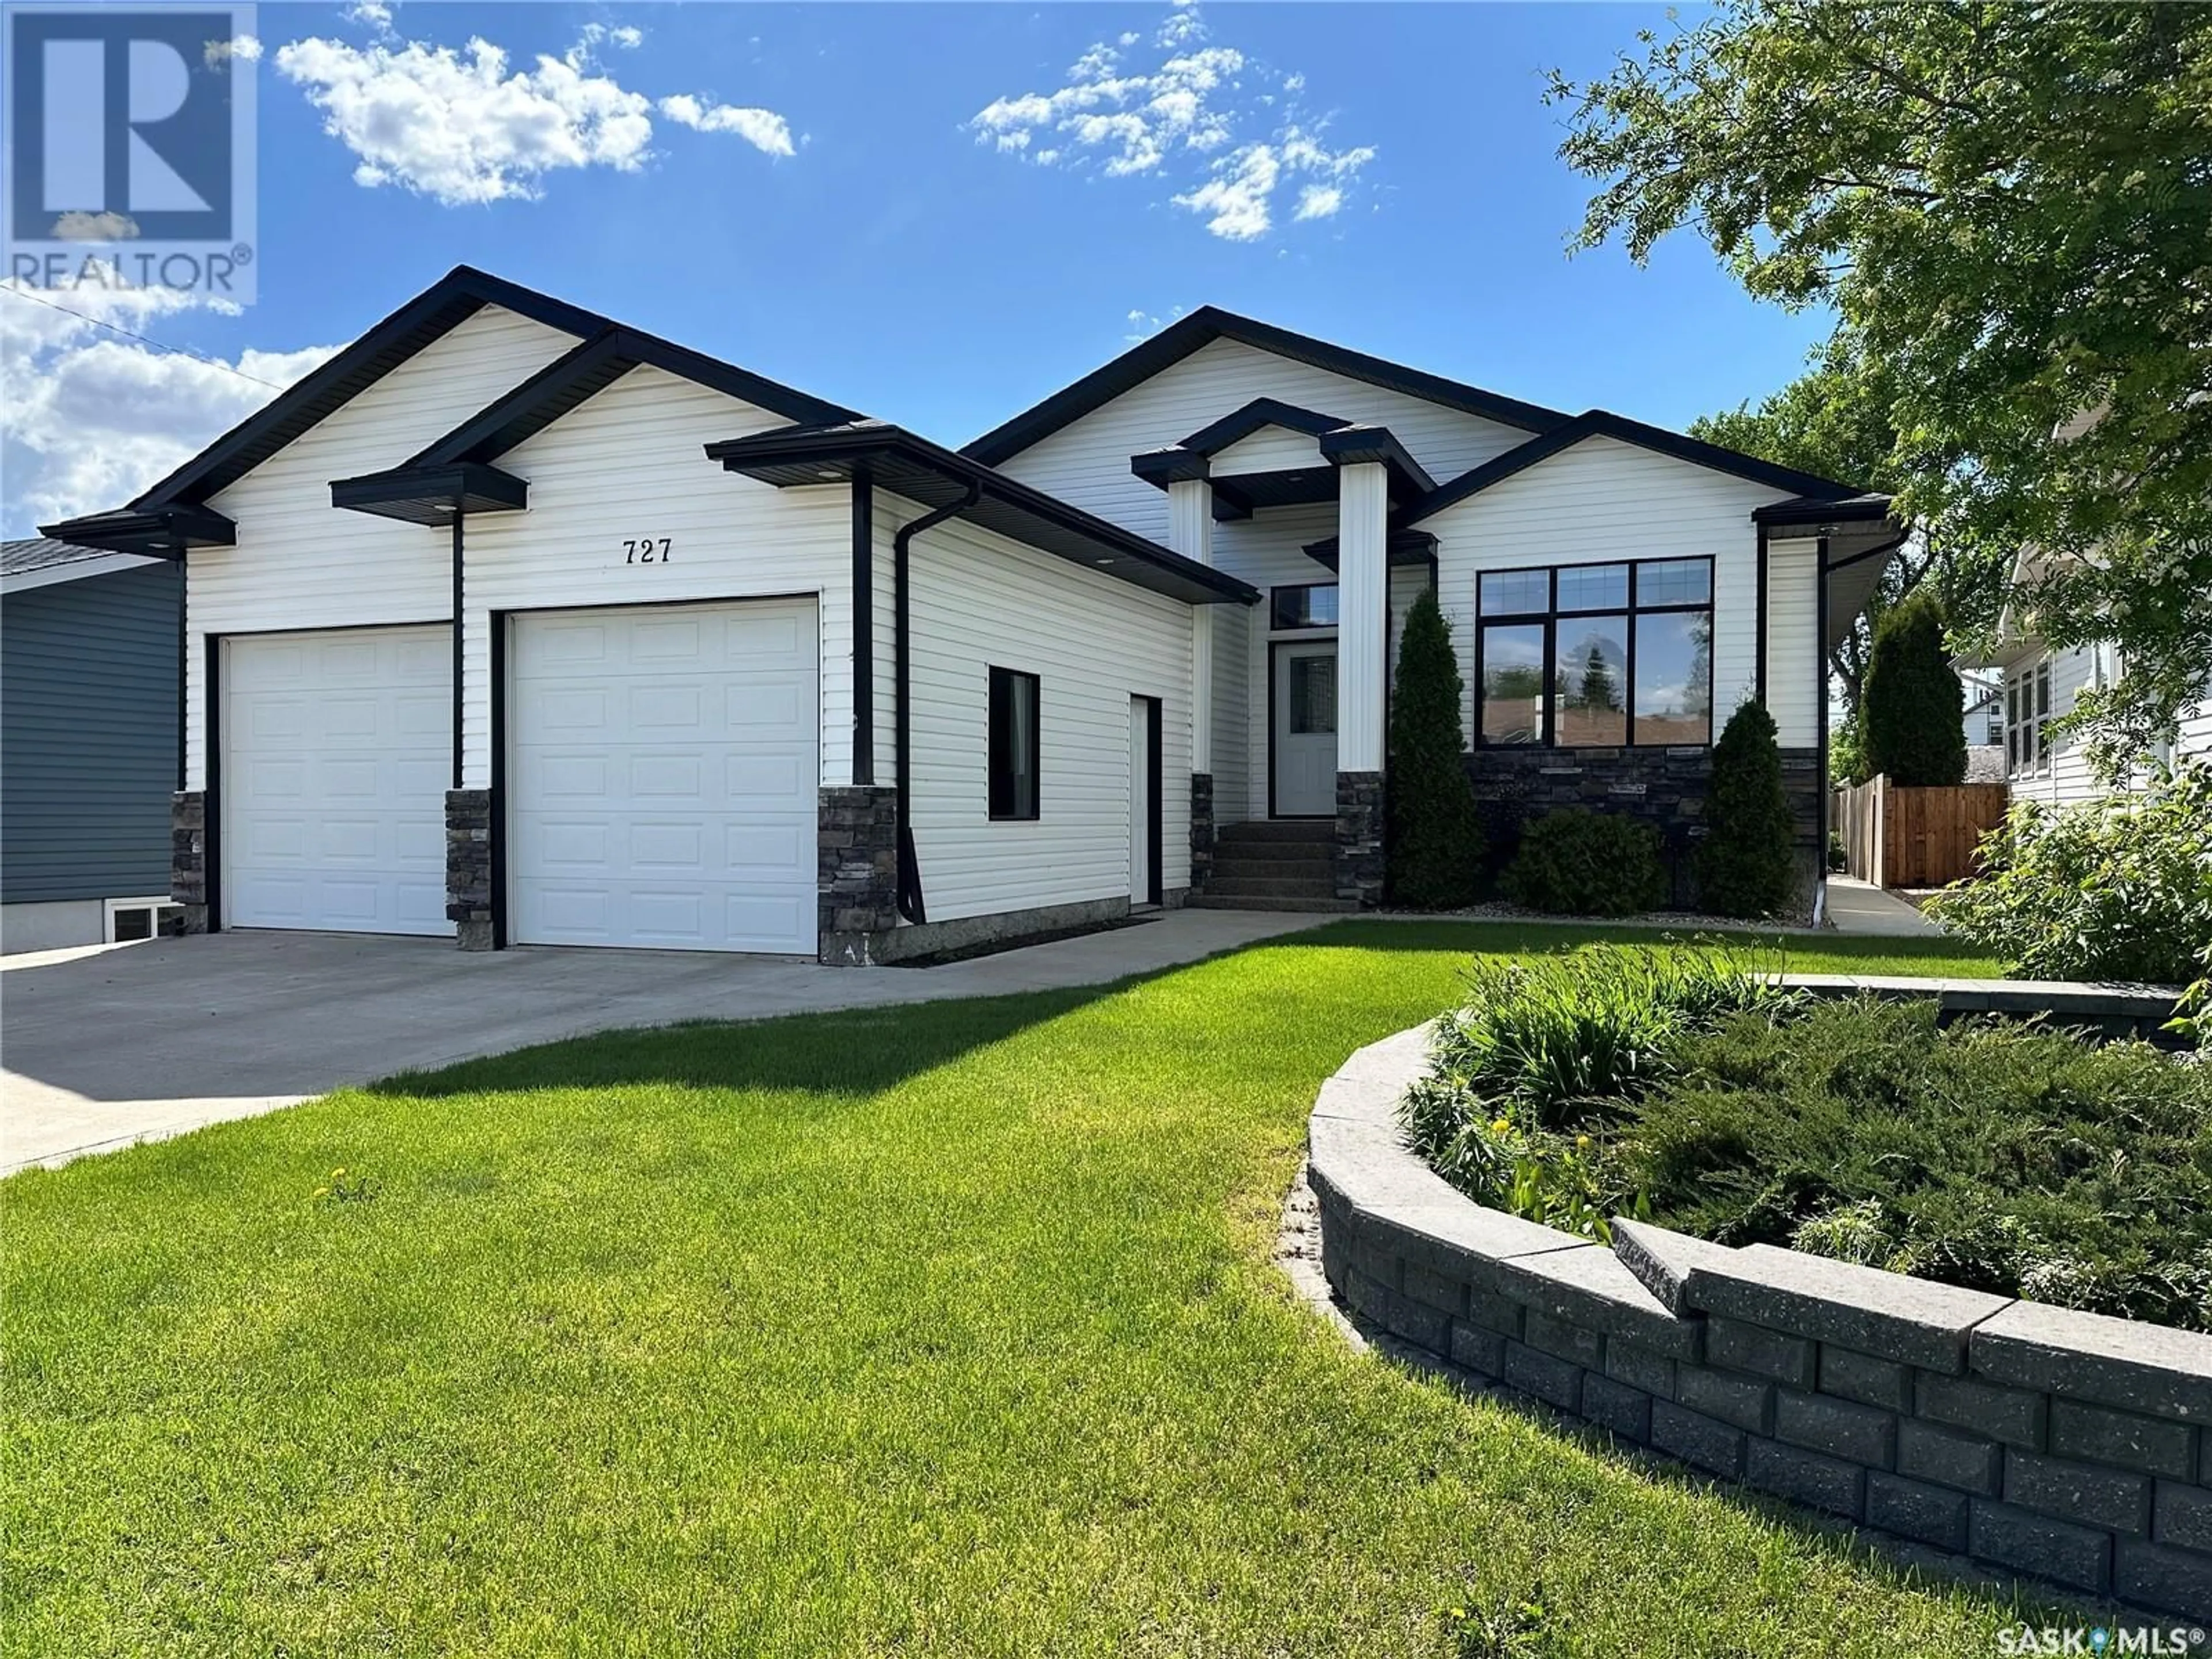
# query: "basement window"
{"points": [[1015, 752]]}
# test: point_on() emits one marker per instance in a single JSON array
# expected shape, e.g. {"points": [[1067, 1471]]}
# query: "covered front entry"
{"points": [[337, 747], [1301, 730], [664, 769]]}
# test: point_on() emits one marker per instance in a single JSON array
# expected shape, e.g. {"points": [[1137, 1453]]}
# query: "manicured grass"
{"points": [[948, 1328]]}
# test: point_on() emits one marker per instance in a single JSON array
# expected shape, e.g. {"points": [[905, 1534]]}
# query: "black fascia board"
{"points": [[1858, 510], [802, 455], [1350, 445], [160, 533], [1241, 424], [1210, 323], [1162, 467], [430, 315], [1603, 423], [1399, 547], [460, 485]]}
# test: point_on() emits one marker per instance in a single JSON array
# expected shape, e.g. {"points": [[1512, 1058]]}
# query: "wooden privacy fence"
{"points": [[1896, 837]]}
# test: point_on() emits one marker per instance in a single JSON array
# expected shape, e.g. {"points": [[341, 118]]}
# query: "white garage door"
{"points": [[665, 768], [338, 749]]}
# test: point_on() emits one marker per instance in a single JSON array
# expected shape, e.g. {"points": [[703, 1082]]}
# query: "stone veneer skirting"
{"points": [[2062, 1447], [1201, 829], [1664, 787], [188, 849], [1359, 861], [468, 868]]}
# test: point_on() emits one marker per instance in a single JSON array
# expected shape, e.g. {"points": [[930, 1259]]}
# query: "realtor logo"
{"points": [[130, 147]]}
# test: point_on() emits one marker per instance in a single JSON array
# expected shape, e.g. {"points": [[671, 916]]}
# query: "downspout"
{"points": [[1820, 780], [910, 866]]}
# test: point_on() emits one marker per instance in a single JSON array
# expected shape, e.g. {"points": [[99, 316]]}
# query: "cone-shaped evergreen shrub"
{"points": [[1913, 722], [1435, 838], [1744, 863]]}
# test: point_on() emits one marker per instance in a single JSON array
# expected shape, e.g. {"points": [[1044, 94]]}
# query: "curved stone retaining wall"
{"points": [[2059, 1445]]}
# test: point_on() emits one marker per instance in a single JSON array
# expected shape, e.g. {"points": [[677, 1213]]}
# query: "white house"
{"points": [[514, 623]]}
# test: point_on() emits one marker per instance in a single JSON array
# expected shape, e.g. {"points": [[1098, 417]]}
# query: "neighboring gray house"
{"points": [[89, 701]]}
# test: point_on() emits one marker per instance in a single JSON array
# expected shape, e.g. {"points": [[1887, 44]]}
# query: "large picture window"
{"points": [[1582, 656], [1014, 745]]}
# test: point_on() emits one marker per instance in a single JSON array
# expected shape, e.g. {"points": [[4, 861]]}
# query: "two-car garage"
{"points": [[661, 770]]}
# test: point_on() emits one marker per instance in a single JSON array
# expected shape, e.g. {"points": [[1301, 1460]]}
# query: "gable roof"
{"points": [[1180, 338], [1259, 413], [1603, 423], [42, 561], [429, 317]]}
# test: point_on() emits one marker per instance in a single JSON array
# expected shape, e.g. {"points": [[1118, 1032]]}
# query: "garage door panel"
{"points": [[337, 755], [663, 778]]}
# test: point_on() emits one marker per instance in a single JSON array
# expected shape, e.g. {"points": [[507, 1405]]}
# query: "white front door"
{"points": [[337, 750], [1140, 800], [1303, 758], [665, 761]]}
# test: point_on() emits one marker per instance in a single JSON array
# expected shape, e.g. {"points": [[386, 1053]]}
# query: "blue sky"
{"points": [[912, 254]]}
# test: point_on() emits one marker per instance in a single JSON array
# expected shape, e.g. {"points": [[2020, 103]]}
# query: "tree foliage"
{"points": [[1913, 727], [1744, 863], [1435, 838], [2010, 208]]}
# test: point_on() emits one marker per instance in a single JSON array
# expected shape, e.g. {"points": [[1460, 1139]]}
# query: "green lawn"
{"points": [[947, 1328]]}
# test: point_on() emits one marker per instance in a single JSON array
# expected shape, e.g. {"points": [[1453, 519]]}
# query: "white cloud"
{"points": [[90, 418], [763, 128], [462, 127], [1208, 118], [243, 47], [1143, 324], [371, 15]]}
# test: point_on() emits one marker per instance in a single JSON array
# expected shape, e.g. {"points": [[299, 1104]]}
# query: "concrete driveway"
{"points": [[108, 1045]]}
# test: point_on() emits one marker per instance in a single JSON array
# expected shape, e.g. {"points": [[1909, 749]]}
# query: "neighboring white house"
{"points": [[514, 623], [2039, 688]]}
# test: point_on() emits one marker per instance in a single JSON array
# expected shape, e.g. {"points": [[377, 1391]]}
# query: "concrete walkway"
{"points": [[1859, 907], [107, 1045]]}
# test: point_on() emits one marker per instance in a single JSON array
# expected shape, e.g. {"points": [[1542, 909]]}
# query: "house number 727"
{"points": [[646, 550]]}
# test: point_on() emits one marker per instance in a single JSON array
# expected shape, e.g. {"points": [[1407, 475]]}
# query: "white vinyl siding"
{"points": [[2059, 772], [1265, 551], [1796, 666], [1604, 499], [300, 562], [980, 601], [1087, 461], [626, 465], [1271, 449]]}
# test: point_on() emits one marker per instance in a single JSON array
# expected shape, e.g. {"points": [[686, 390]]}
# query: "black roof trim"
{"points": [[1260, 412], [1209, 323], [1603, 423], [430, 315], [928, 473], [1815, 510], [1352, 445], [1403, 547], [576, 376], [432, 494], [160, 533], [1162, 467]]}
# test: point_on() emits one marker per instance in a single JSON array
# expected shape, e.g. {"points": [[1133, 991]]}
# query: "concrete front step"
{"points": [[1226, 901], [1321, 831], [1278, 860], [1244, 886]]}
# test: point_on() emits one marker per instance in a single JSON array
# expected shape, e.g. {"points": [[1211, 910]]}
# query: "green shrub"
{"points": [[1999, 1155], [2119, 888], [1913, 711], [1575, 862], [1745, 863], [1434, 841]]}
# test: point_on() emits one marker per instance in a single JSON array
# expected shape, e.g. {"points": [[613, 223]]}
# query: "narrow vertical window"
{"points": [[1015, 753]]}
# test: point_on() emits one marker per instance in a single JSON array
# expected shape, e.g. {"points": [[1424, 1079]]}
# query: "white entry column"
{"points": [[1363, 597], [1190, 532]]}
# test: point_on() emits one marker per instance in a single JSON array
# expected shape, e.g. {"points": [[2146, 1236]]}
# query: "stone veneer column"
{"points": [[1201, 829], [468, 868], [1358, 860], [857, 863], [188, 859]]}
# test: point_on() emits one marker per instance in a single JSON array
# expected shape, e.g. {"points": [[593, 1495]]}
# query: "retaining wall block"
{"points": [[1563, 1340], [2182, 1516], [1617, 1408], [2154, 1445], [1807, 1478], [1951, 1459], [1748, 1402], [1915, 1510], [1555, 1381], [1698, 1439], [1482, 1351], [2121, 1363], [1640, 1369], [2079, 1558], [1852, 1374], [1595, 1288], [2015, 1416], [1865, 1434], [1777, 1354], [2079, 1491], [2175, 1580], [1914, 1321]]}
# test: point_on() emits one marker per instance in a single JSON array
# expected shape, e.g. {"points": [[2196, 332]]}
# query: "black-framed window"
{"points": [[1015, 752], [1311, 605], [1615, 653], [2028, 711]]}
